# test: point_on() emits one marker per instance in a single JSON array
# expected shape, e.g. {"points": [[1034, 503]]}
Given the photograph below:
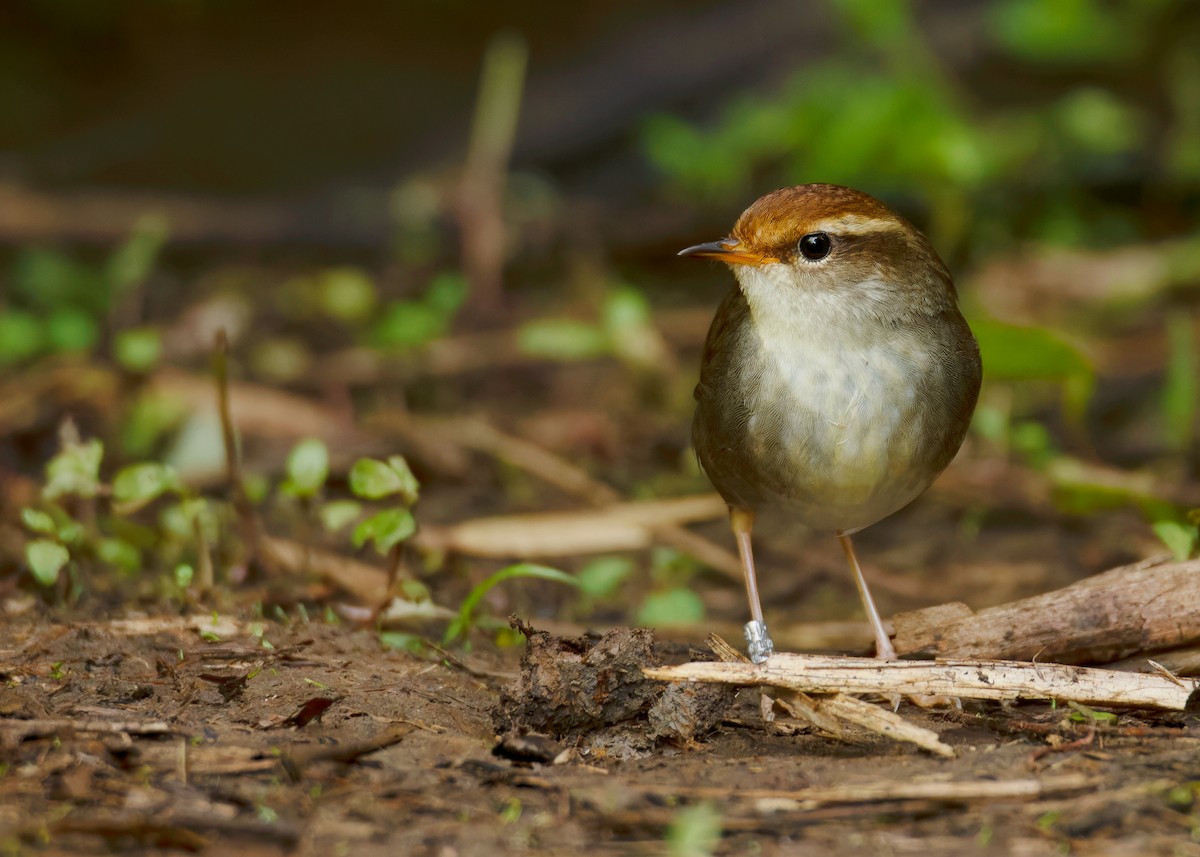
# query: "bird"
{"points": [[838, 376]]}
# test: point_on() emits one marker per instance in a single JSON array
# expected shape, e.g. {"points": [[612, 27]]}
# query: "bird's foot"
{"points": [[758, 641]]}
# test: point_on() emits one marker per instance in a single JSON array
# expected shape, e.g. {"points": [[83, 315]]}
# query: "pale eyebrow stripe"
{"points": [[854, 224]]}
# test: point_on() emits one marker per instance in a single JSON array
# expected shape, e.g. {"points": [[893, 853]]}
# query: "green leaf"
{"points": [[674, 607], [71, 329], [338, 513], [22, 335], [1181, 390], [307, 468], [1180, 538], [46, 559], [601, 576], [119, 553], [466, 612], [1080, 713], [562, 339], [75, 471], [375, 479], [386, 529], [38, 521], [695, 831], [138, 484], [347, 294], [401, 641], [138, 349], [184, 574], [135, 259], [408, 324]]}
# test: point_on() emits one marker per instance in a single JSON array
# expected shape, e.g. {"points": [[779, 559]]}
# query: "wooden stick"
{"points": [[1144, 607], [886, 790], [957, 678]]}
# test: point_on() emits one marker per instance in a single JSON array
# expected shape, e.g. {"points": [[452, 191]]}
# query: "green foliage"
{"points": [[695, 831], [336, 514], [625, 330], [461, 626], [602, 576], [678, 606], [887, 117], [412, 323], [385, 529], [75, 471], [59, 304], [1013, 353], [307, 468], [138, 485], [373, 479], [46, 559], [138, 349], [1181, 390]]}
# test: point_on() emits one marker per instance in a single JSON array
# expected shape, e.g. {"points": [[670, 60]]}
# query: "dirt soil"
{"points": [[147, 733]]}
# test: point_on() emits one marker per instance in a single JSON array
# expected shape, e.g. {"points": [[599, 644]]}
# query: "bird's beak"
{"points": [[728, 250]]}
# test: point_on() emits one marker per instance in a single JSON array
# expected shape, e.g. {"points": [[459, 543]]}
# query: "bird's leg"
{"points": [[758, 641], [883, 644]]}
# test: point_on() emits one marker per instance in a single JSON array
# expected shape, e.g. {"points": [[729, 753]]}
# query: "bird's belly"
{"points": [[841, 442]]}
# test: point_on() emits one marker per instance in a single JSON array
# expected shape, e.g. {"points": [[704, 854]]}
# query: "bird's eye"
{"points": [[815, 245]]}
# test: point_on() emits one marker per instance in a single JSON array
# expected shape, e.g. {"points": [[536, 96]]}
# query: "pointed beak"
{"points": [[728, 250]]}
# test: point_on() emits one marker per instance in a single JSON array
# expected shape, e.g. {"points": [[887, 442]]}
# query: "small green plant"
{"points": [[461, 626], [695, 831], [58, 304]]}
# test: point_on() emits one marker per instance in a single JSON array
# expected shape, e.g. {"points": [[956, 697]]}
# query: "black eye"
{"points": [[815, 245]]}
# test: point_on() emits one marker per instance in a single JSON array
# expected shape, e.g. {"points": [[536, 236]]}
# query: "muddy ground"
{"points": [[186, 734]]}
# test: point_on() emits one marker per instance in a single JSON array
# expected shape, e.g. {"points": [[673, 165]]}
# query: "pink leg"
{"points": [[757, 638], [883, 644]]}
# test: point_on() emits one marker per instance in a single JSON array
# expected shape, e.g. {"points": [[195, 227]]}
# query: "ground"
{"points": [[140, 733]]}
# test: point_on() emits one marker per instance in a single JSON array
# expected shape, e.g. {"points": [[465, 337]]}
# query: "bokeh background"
{"points": [[410, 217]]}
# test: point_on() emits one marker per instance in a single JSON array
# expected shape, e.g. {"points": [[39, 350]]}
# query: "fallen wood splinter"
{"points": [[969, 679]]}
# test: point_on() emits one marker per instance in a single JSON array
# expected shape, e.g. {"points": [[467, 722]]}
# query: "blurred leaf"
{"points": [[600, 577], [1097, 121], [460, 627], [562, 339], [307, 468], [51, 280], [179, 520], [401, 641], [347, 294], [680, 606], [1180, 538], [184, 575], [1081, 713], [138, 484], [38, 521], [1013, 353], [151, 416], [138, 349], [446, 293], [1061, 31], [135, 259], [374, 479], [408, 324], [1181, 390], [119, 553], [695, 831], [71, 329], [386, 529], [46, 559], [75, 471], [22, 335], [338, 513]]}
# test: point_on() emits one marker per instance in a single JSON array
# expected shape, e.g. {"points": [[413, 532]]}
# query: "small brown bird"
{"points": [[838, 377]]}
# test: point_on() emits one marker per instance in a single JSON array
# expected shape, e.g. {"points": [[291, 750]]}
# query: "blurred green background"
{"points": [[362, 194]]}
